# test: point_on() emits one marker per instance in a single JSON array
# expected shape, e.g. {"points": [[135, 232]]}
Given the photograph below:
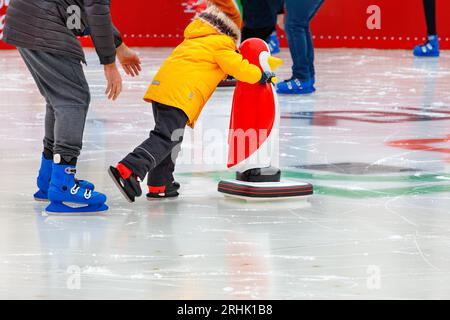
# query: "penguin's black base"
{"points": [[265, 190], [268, 174]]}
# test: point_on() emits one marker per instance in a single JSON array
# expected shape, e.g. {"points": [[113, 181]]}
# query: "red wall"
{"points": [[3, 6], [340, 23]]}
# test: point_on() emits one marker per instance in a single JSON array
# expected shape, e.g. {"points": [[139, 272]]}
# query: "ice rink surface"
{"points": [[374, 140]]}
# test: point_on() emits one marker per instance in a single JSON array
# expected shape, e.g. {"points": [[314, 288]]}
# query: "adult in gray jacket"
{"points": [[45, 33]]}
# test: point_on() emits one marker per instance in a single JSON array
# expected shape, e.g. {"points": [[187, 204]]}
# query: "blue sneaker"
{"points": [[429, 49], [44, 177], [66, 195], [274, 43], [296, 86]]}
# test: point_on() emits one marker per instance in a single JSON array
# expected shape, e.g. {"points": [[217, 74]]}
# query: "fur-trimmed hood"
{"points": [[217, 19]]}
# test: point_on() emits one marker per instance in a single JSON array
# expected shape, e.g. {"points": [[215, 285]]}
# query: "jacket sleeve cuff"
{"points": [[117, 37], [108, 60], [118, 41]]}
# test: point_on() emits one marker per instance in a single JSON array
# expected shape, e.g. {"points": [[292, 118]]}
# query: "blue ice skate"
{"points": [[274, 43], [429, 49], [296, 86], [43, 180], [66, 195]]}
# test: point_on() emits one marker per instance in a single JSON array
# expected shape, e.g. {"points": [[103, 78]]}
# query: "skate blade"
{"points": [[111, 174], [40, 199], [165, 199], [61, 207]]}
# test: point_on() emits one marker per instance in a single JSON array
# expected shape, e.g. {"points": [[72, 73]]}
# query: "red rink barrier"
{"points": [[387, 24]]}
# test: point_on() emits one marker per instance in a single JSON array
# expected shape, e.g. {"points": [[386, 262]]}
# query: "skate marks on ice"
{"points": [[376, 227]]}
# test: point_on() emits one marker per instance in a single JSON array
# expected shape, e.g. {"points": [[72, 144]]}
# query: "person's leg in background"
{"points": [[310, 45], [296, 25], [311, 55], [62, 83], [430, 15], [274, 43], [431, 47], [298, 19]]}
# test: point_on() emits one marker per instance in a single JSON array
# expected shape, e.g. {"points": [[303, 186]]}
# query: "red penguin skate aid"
{"points": [[253, 138]]}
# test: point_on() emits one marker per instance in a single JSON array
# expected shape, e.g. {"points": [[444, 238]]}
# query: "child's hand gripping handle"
{"points": [[268, 77]]}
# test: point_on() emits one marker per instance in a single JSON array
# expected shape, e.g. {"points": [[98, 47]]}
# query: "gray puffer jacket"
{"points": [[49, 26]]}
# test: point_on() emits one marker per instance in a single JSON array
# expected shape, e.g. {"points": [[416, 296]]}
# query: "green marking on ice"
{"points": [[410, 190], [419, 177], [381, 193]]}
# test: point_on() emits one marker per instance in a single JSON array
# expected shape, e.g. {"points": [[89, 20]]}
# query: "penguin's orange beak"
{"points": [[274, 63]]}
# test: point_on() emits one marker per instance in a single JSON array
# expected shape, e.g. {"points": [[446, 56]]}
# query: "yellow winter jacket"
{"points": [[188, 78]]}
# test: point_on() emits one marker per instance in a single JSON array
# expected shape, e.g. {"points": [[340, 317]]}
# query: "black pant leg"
{"points": [[167, 134], [162, 174], [430, 15]]}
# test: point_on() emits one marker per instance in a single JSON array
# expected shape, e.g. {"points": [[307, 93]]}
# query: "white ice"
{"points": [[378, 229]]}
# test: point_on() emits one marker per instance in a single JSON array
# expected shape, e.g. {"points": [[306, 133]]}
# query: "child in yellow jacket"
{"points": [[178, 93]]}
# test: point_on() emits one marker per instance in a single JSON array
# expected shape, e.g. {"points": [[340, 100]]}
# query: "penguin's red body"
{"points": [[253, 110]]}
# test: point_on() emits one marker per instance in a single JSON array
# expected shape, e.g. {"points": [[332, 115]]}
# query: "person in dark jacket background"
{"points": [[260, 20], [45, 33]]}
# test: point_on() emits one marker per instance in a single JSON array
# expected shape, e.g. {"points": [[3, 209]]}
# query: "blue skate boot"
{"points": [[44, 177], [274, 43], [296, 86], [429, 49], [66, 195]]}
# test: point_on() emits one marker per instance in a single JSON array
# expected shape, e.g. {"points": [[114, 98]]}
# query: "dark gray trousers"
{"points": [[157, 155], [62, 83]]}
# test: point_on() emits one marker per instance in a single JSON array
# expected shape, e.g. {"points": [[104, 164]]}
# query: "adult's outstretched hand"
{"points": [[129, 60]]}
